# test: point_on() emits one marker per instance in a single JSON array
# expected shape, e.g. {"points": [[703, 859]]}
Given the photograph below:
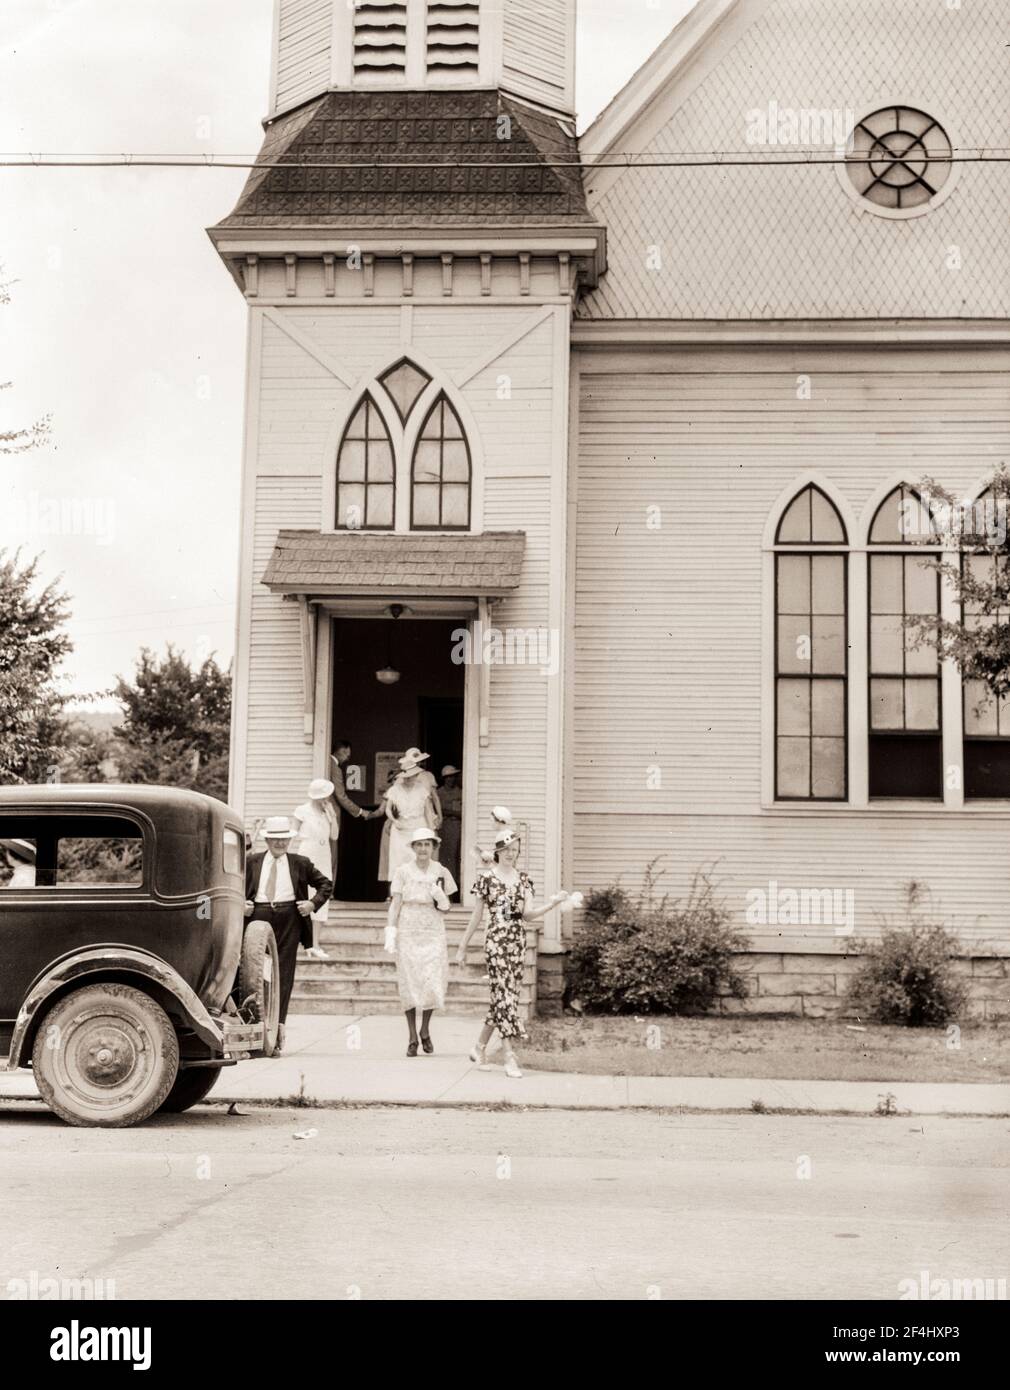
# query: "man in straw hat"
{"points": [[277, 890]]}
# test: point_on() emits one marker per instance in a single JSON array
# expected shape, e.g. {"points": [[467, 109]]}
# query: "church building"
{"points": [[582, 462]]}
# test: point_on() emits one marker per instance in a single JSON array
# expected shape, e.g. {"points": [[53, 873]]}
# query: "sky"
{"points": [[124, 326]]}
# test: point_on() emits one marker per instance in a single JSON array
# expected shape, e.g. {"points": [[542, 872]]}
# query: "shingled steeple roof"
{"points": [[431, 158]]}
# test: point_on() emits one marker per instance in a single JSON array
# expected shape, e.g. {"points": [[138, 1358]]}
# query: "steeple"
{"points": [[526, 48]]}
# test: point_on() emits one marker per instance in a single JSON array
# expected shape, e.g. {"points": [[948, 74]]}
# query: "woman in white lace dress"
{"points": [[411, 805], [415, 931]]}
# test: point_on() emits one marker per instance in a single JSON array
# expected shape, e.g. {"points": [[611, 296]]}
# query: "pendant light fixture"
{"points": [[388, 674]]}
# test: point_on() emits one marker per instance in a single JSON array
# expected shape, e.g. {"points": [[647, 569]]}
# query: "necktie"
{"points": [[272, 881]]}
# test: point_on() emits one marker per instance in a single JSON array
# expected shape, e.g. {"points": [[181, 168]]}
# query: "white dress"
{"points": [[413, 805], [314, 841], [422, 952]]}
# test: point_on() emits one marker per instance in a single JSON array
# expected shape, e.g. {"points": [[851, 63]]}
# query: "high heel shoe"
{"points": [[478, 1054], [512, 1068], [412, 1048], [427, 1043]]}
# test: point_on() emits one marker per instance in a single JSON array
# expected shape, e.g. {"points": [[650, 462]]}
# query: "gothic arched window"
{"points": [[366, 475], [905, 753], [440, 473], [986, 569], [811, 650]]}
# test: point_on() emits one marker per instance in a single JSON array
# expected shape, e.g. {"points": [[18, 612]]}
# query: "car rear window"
{"points": [[99, 859], [233, 847], [69, 851]]}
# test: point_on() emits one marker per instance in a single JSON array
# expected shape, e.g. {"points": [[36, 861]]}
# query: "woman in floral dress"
{"points": [[415, 931], [507, 894]]}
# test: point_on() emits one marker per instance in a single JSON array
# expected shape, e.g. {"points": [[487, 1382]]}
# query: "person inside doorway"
{"points": [[411, 803], [450, 796]]}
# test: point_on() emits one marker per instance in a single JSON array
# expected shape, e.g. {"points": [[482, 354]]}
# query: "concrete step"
{"points": [[374, 950], [473, 972], [475, 992], [361, 1005]]}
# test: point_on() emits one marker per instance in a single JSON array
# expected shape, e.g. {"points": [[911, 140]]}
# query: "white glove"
{"points": [[439, 898], [389, 944]]}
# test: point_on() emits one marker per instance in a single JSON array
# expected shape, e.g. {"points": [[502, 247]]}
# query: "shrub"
{"points": [[653, 955], [907, 977]]}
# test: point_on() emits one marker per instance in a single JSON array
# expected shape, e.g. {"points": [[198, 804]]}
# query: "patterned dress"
{"points": [[504, 947], [422, 955]]}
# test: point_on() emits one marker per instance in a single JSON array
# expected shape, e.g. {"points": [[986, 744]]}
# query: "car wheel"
{"points": [[259, 981], [192, 1085], [105, 1055]]}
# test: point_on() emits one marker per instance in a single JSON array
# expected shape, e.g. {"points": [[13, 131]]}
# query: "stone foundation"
{"points": [[792, 984]]}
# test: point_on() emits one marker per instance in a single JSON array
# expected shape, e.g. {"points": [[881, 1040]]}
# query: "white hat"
{"points": [[413, 757], [278, 828], [505, 837], [449, 769], [320, 789], [424, 833], [21, 849]]}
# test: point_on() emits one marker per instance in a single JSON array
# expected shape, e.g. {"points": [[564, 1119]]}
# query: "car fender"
{"points": [[123, 962]]}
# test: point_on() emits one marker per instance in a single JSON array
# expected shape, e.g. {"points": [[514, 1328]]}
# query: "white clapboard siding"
{"points": [[538, 58], [303, 56], [960, 858], [278, 760], [513, 767], [668, 631]]}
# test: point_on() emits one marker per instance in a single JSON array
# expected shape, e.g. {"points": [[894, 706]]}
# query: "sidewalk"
{"points": [[332, 1060]]}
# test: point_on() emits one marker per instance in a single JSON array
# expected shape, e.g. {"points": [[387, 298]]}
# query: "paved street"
{"points": [[427, 1203]]}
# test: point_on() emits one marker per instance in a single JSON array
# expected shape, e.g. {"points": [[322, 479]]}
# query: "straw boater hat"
{"points": [[320, 789], [278, 828], [424, 833], [20, 849]]}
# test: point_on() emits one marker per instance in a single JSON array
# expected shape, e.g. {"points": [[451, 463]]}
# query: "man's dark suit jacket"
{"points": [[304, 875]]}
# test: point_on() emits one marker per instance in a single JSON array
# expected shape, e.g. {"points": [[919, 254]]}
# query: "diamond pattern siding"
{"points": [[746, 243]]}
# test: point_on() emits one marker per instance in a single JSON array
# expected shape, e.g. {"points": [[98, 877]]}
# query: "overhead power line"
{"points": [[708, 159]]}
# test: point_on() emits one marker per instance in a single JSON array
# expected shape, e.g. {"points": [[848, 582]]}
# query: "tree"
{"points": [[176, 723], [16, 441], [977, 638], [32, 646]]}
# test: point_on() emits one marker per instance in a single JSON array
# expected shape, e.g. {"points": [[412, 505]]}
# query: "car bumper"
{"points": [[240, 1041]]}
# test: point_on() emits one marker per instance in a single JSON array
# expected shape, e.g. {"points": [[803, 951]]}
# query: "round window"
{"points": [[899, 159]]}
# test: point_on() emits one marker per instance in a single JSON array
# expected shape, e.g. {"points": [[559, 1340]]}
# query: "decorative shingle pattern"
{"points": [[769, 243], [391, 140], [312, 562]]}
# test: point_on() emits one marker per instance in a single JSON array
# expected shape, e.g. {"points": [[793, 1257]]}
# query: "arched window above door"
{"points": [[366, 473], [441, 472]]}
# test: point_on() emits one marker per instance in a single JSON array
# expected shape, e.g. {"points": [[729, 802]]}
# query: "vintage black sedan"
{"points": [[128, 976]]}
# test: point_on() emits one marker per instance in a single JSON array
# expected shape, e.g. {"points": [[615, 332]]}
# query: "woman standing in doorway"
{"points": [[410, 805], [507, 894], [415, 931]]}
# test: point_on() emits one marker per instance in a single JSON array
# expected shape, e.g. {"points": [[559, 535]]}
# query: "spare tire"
{"points": [[259, 981]]}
